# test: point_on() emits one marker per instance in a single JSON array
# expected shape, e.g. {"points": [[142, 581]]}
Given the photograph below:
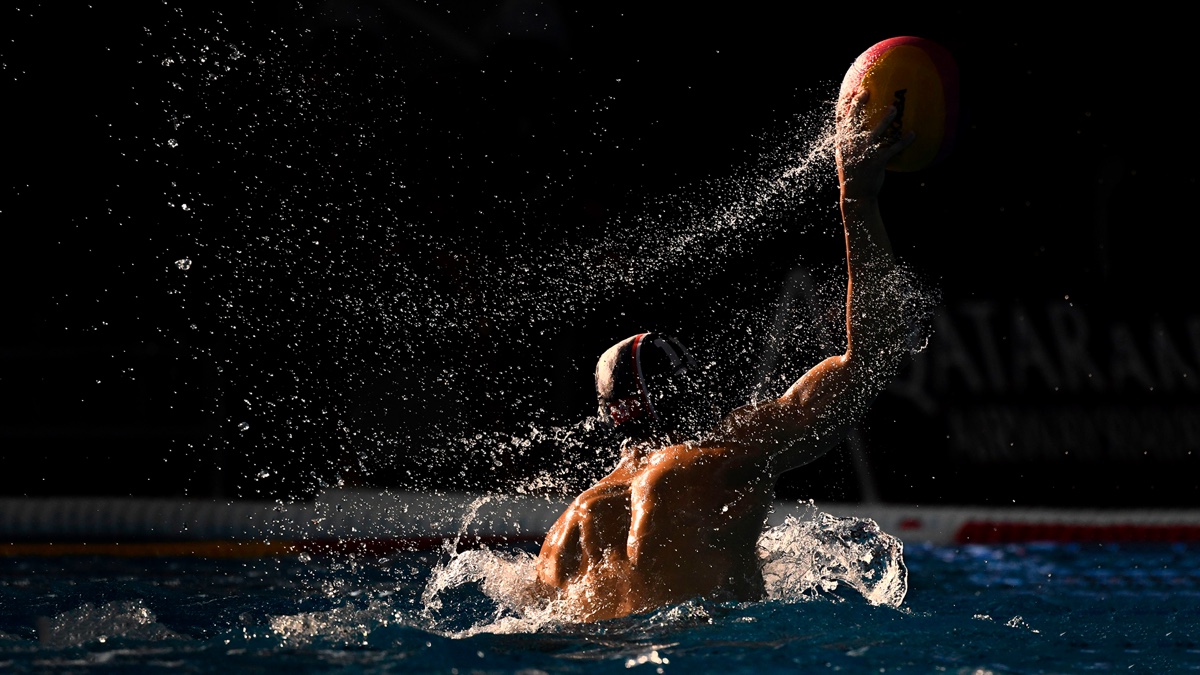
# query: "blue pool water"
{"points": [[1022, 609]]}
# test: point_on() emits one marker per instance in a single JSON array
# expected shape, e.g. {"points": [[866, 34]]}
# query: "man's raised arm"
{"points": [[807, 420]]}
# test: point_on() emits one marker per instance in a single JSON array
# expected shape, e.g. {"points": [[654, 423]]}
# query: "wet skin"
{"points": [[669, 524], [673, 522]]}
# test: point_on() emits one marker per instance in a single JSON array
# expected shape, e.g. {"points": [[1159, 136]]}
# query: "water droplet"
{"points": [[244, 426], [184, 263]]}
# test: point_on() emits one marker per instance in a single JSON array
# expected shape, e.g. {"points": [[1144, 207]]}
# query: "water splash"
{"points": [[507, 579], [99, 623], [375, 335], [814, 555], [488, 591]]}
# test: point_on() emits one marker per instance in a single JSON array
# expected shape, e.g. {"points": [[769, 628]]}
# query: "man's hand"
{"points": [[863, 154]]}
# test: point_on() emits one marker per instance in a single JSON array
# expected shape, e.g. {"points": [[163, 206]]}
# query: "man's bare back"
{"points": [[676, 521], [666, 525]]}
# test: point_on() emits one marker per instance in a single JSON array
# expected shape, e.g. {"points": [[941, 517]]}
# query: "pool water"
{"points": [[1023, 609]]}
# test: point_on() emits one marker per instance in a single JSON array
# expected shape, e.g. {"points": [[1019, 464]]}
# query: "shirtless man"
{"points": [[681, 520]]}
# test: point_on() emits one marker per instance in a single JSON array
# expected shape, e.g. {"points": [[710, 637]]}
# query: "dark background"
{"points": [[404, 223]]}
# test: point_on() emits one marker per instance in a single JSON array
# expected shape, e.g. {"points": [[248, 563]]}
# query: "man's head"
{"points": [[648, 385]]}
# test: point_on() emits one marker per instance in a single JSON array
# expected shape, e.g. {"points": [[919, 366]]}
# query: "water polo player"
{"points": [[681, 514]]}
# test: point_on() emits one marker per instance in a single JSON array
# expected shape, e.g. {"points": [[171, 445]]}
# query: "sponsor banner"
{"points": [[1016, 401]]}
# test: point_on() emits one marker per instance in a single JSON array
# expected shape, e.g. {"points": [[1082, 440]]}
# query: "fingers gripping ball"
{"points": [[920, 78]]}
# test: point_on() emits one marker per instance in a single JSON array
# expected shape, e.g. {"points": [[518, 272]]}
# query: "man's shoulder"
{"points": [[712, 453], [615, 484], [700, 473]]}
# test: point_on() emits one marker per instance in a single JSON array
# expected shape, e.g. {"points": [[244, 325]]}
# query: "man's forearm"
{"points": [[872, 323]]}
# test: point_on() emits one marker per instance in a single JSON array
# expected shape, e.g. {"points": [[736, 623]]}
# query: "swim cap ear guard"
{"points": [[646, 384]]}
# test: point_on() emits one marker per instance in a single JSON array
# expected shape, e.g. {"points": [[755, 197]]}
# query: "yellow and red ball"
{"points": [[920, 78]]}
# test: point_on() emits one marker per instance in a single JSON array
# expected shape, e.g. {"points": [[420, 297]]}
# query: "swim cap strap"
{"points": [[679, 362]]}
